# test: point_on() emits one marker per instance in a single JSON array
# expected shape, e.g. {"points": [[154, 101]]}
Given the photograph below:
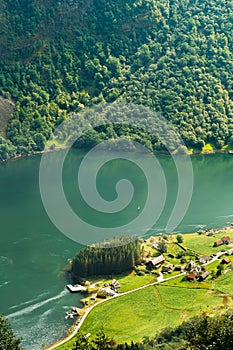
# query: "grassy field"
{"points": [[128, 281], [224, 284], [132, 281], [203, 244], [145, 312], [174, 249]]}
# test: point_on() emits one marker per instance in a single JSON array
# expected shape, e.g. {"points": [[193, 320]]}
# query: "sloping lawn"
{"points": [[145, 312], [224, 283], [203, 244], [132, 281]]}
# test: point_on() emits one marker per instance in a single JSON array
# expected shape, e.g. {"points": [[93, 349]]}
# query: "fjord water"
{"points": [[33, 251]]}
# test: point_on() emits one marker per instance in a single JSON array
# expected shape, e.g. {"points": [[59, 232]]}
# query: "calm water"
{"points": [[33, 251]]}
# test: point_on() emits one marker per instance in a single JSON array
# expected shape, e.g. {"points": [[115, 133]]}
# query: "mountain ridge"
{"points": [[174, 57]]}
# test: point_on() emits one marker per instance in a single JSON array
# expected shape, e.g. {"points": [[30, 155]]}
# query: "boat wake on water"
{"points": [[31, 308], [46, 313], [28, 301], [225, 216]]}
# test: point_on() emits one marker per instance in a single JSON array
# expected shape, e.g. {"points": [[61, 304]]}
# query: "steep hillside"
{"points": [[174, 56], [6, 111]]}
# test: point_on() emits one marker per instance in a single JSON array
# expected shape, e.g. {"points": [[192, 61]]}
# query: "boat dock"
{"points": [[76, 288]]}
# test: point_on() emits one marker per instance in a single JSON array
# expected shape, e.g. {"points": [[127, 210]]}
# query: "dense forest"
{"points": [[174, 56], [117, 256]]}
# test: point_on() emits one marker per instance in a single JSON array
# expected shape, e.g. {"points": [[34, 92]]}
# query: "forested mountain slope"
{"points": [[174, 56]]}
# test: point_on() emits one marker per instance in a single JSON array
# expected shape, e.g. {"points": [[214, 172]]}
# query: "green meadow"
{"points": [[145, 312], [203, 244]]}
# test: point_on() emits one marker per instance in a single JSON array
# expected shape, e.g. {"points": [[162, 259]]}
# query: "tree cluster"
{"points": [[8, 341], [198, 333], [100, 342], [119, 255]]}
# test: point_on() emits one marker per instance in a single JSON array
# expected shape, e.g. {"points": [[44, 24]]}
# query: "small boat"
{"points": [[230, 152], [73, 313], [139, 208], [69, 315]]}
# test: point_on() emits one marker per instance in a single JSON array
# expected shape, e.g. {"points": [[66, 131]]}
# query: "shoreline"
{"points": [[159, 153], [22, 156], [72, 331]]}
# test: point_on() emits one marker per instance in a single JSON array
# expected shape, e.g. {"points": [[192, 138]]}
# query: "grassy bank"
{"points": [[147, 311]]}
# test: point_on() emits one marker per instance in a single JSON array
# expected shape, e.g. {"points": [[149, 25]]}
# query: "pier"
{"points": [[76, 288]]}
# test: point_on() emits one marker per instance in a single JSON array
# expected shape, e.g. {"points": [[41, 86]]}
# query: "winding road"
{"points": [[88, 310]]}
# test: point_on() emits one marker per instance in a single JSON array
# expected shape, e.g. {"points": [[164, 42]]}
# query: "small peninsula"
{"points": [[178, 277]]}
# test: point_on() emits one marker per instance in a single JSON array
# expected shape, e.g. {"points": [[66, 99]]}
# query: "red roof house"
{"points": [[192, 276]]}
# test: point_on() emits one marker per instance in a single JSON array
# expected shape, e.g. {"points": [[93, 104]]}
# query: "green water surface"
{"points": [[33, 251]]}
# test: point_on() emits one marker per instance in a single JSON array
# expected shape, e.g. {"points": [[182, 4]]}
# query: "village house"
{"points": [[226, 261], [226, 240], [105, 292], [203, 259], [223, 240], [193, 268], [202, 277], [218, 243], [229, 252], [155, 263], [115, 284], [196, 270], [190, 265], [191, 277], [166, 269], [178, 268]]}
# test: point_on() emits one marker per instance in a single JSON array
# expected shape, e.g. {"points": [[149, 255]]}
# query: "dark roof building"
{"points": [[226, 240], [178, 268], [203, 276], [156, 262], [166, 269]]}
